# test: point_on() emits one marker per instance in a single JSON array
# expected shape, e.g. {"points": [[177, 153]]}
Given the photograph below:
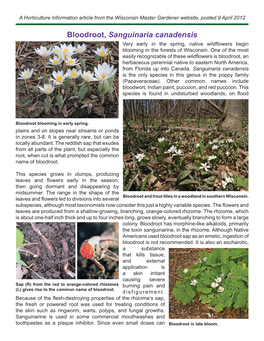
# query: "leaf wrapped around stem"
{"points": [[82, 91], [47, 104]]}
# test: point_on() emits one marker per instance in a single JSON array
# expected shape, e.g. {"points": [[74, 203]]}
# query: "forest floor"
{"points": [[184, 258], [184, 158], [48, 265], [30, 104]]}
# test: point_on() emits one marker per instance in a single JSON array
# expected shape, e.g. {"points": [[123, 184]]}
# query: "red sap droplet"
{"points": [[86, 250]]}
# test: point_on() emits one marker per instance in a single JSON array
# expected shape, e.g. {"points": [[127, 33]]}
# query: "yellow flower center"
{"points": [[26, 75], [59, 78], [104, 75], [70, 61], [87, 76], [56, 51], [65, 50], [55, 61], [102, 53], [73, 74], [48, 89]]}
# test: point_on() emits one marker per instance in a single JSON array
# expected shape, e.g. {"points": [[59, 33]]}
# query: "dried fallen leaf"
{"points": [[65, 112], [168, 159]]}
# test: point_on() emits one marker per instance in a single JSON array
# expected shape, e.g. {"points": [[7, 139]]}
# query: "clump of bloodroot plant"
{"points": [[70, 76], [219, 280]]}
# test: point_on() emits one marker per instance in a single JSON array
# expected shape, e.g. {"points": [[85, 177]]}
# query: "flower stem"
{"points": [[45, 74], [64, 64]]}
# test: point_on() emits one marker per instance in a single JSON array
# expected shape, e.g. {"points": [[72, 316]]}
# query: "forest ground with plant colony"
{"points": [[185, 145]]}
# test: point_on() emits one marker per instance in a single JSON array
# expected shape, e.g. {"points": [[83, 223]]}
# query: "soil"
{"points": [[47, 266], [184, 258], [86, 268], [30, 105]]}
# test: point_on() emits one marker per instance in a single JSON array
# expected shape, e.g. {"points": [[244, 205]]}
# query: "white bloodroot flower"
{"points": [[67, 50], [178, 153], [43, 51], [72, 61], [56, 60], [204, 167], [88, 76], [214, 285], [26, 74], [193, 282], [218, 280], [161, 139], [73, 73], [172, 149], [229, 180], [227, 153], [220, 289], [102, 51], [197, 145], [48, 89], [223, 184], [230, 140], [81, 48], [140, 157], [205, 259], [215, 147], [59, 77], [185, 271], [104, 71], [57, 50], [213, 157]]}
